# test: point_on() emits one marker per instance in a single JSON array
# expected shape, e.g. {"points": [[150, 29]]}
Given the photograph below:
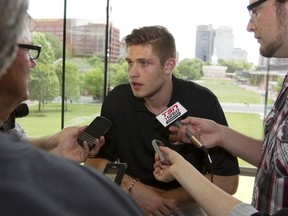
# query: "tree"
{"points": [[234, 65], [55, 45], [43, 84], [190, 69], [72, 81], [93, 82], [118, 72]]}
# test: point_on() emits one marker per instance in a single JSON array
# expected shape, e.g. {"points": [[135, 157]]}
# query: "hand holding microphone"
{"points": [[171, 116]]}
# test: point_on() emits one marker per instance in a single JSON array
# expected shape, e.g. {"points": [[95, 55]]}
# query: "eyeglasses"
{"points": [[252, 8], [33, 50]]}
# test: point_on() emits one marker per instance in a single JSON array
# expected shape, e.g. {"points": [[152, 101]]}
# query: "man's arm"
{"points": [[97, 163], [212, 134], [65, 144], [155, 205], [45, 142], [227, 183]]}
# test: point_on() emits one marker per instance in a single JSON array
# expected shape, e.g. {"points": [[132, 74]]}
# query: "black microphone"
{"points": [[171, 115], [20, 111]]}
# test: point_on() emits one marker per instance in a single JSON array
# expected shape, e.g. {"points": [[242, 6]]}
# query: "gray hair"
{"points": [[13, 14]]}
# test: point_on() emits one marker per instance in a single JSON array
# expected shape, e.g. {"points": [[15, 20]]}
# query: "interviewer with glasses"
{"points": [[14, 90]]}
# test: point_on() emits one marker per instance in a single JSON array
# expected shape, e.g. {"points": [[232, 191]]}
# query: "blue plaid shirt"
{"points": [[271, 183]]}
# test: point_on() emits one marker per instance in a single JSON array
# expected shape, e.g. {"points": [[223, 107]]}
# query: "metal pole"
{"points": [[106, 50], [63, 66]]}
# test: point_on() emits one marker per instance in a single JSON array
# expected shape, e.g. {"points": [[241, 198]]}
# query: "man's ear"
{"points": [[169, 65]]}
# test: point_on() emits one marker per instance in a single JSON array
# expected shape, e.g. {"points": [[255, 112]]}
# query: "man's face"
{"points": [[146, 74], [14, 84], [269, 28]]}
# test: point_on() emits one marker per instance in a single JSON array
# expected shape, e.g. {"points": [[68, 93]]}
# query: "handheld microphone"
{"points": [[172, 115], [20, 111]]}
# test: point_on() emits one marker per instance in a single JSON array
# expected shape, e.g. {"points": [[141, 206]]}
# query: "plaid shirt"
{"points": [[271, 183]]}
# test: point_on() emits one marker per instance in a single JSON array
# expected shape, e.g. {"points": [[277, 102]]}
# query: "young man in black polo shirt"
{"points": [[133, 107]]}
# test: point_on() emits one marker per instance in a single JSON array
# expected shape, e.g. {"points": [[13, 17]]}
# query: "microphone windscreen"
{"points": [[21, 110]]}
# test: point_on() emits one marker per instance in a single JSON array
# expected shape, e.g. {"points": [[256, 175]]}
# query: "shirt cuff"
{"points": [[243, 209]]}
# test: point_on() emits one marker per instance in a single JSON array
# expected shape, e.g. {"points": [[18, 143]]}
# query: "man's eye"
{"points": [[129, 62], [144, 63]]}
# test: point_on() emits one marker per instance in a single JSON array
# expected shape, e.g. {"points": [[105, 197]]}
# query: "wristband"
{"points": [[132, 185]]}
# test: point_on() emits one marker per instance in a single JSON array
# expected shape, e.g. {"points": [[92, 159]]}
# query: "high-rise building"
{"points": [[239, 54], [217, 44], [224, 42], [204, 42]]}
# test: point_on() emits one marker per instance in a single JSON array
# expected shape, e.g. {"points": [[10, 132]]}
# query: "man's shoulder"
{"points": [[121, 94], [120, 89]]}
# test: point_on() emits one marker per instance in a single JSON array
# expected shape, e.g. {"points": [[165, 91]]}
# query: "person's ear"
{"points": [[169, 65]]}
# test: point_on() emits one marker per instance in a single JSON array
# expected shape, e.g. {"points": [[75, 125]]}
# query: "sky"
{"points": [[180, 17]]}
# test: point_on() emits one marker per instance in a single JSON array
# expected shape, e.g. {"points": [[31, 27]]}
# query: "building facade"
{"points": [[83, 38]]}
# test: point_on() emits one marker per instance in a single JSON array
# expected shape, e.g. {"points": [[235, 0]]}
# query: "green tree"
{"points": [[72, 81], [95, 61], [190, 69], [118, 72], [43, 84], [93, 82], [55, 45], [234, 65]]}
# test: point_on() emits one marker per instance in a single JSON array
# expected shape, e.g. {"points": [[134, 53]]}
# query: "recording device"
{"points": [[98, 127], [115, 171], [163, 157], [172, 115], [20, 111]]}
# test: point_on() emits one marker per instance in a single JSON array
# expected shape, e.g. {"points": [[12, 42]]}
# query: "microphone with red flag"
{"points": [[171, 115]]}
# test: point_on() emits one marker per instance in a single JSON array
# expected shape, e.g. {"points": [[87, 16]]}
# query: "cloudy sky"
{"points": [[179, 16]]}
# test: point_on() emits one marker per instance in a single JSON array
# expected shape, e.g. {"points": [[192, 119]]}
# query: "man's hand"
{"points": [[68, 146], [152, 202]]}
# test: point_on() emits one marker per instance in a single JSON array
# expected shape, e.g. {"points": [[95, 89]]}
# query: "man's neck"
{"points": [[159, 102]]}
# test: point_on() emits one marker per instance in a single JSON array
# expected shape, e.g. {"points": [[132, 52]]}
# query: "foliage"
{"points": [[234, 65], [118, 73], [72, 81], [95, 61], [47, 52], [55, 45], [93, 82], [43, 84], [190, 69]]}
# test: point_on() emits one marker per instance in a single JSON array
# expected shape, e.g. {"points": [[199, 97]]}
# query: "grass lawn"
{"points": [[248, 124], [228, 92], [39, 124]]}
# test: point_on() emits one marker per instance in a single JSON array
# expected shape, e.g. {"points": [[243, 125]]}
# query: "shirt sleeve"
{"points": [[243, 209]]}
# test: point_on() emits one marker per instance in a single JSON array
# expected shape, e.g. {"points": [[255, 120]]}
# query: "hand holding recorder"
{"points": [[97, 128]]}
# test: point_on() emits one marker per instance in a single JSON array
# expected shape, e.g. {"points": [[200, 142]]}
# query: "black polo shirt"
{"points": [[134, 127]]}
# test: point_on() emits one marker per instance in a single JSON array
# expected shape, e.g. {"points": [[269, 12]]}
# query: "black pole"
{"points": [[267, 87], [63, 66], [106, 50]]}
